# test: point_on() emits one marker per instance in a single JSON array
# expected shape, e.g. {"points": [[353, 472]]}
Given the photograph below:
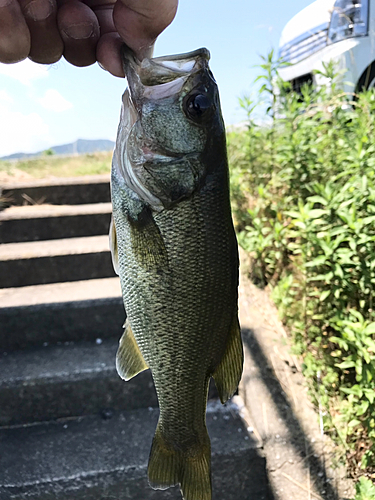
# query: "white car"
{"points": [[342, 31]]}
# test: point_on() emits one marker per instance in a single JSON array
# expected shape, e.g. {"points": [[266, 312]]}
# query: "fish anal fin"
{"points": [[113, 246], [129, 360], [229, 371], [190, 469]]}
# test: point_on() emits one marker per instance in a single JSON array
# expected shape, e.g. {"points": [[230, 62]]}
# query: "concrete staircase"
{"points": [[70, 428]]}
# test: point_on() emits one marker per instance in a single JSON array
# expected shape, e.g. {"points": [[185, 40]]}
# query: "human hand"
{"points": [[83, 31]]}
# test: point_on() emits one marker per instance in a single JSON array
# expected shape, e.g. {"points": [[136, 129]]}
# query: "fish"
{"points": [[174, 248]]}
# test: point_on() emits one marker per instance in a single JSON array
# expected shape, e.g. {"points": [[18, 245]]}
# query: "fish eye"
{"points": [[197, 105]]}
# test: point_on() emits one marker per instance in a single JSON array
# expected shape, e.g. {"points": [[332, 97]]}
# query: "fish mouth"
{"points": [[160, 77]]}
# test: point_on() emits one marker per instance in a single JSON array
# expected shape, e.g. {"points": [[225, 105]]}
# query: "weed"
{"points": [[303, 191]]}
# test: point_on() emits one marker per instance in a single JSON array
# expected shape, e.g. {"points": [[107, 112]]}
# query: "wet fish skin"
{"points": [[175, 250]]}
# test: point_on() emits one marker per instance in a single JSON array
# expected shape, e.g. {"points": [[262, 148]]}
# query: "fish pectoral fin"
{"points": [[113, 246], [191, 469], [228, 373], [129, 360], [147, 241]]}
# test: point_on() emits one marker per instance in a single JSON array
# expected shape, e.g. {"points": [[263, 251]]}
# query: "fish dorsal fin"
{"points": [[129, 359], [229, 371], [113, 246]]}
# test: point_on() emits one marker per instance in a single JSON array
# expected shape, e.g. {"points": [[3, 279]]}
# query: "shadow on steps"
{"points": [[299, 441]]}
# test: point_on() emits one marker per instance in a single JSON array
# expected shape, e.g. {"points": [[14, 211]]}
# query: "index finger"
{"points": [[15, 35], [46, 43]]}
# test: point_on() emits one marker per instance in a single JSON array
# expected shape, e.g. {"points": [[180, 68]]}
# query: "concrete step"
{"points": [[49, 222], [59, 191], [92, 458], [60, 312], [53, 261], [68, 380]]}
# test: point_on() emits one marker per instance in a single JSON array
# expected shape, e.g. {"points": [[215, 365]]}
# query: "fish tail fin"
{"points": [[164, 465], [191, 469], [229, 371], [196, 477]]}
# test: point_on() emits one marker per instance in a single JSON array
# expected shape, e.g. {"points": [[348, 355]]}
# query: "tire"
{"points": [[367, 79]]}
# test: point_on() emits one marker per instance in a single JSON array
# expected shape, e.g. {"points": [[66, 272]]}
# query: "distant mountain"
{"points": [[81, 146]]}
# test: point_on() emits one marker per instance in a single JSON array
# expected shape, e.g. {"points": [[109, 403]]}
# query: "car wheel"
{"points": [[367, 80]]}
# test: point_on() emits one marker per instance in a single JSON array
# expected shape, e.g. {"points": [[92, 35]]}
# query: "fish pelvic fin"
{"points": [[129, 359], [113, 246], [229, 371], [191, 469]]}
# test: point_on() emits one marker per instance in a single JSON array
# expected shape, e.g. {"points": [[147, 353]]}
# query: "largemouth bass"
{"points": [[175, 250]]}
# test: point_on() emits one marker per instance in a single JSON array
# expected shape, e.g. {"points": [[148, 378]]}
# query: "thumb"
{"points": [[140, 22]]}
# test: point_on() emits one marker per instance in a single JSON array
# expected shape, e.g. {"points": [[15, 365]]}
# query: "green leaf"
{"points": [[370, 395], [354, 422], [316, 213], [370, 329], [345, 365], [338, 230], [317, 199], [356, 390], [368, 220], [365, 489], [362, 408], [338, 271], [318, 261], [293, 214], [324, 295]]}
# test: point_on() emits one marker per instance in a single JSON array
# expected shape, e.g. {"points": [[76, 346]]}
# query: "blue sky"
{"points": [[42, 106]]}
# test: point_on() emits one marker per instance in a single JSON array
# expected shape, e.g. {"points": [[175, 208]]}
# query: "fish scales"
{"points": [[178, 266]]}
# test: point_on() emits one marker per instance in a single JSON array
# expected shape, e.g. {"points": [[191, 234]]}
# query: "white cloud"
{"points": [[5, 97], [21, 133], [54, 101], [25, 71]]}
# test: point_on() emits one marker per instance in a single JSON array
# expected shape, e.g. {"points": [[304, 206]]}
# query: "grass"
{"points": [[303, 193], [56, 166]]}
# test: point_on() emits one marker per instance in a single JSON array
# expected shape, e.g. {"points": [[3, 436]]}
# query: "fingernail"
{"points": [[80, 30], [38, 11], [101, 66]]}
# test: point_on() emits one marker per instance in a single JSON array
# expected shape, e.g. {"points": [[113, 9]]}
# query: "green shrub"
{"points": [[365, 489], [303, 190]]}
